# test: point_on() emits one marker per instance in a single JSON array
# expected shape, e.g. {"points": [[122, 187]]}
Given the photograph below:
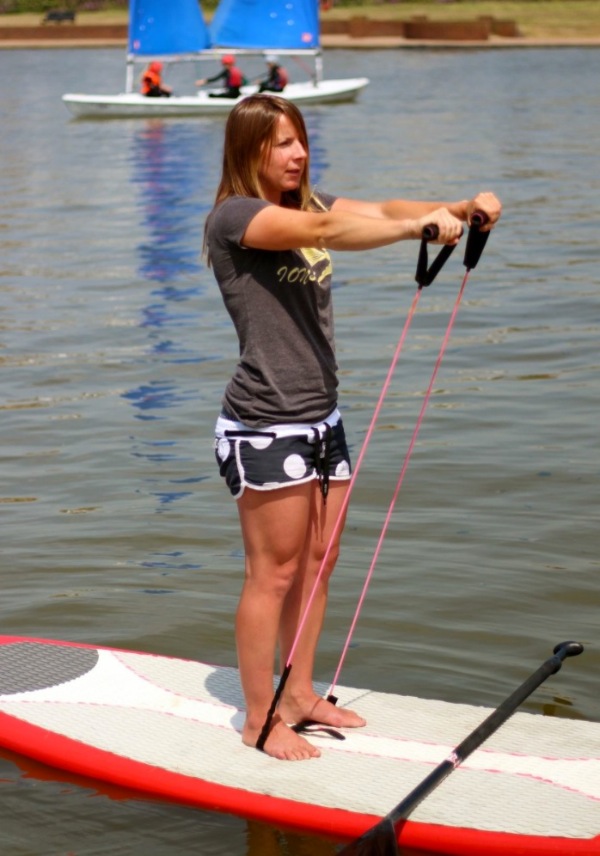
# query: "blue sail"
{"points": [[161, 27], [266, 24]]}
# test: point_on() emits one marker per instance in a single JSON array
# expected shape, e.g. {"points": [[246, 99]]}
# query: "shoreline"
{"points": [[331, 42], [115, 35]]}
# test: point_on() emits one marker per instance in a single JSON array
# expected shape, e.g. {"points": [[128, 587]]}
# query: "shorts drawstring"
{"points": [[322, 455]]}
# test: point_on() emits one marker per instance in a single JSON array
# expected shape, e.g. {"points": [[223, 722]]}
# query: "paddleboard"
{"points": [[170, 728]]}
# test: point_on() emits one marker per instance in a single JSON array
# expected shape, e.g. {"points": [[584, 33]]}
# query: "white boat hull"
{"points": [[129, 105]]}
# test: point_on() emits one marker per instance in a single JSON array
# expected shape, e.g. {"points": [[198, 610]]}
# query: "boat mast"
{"points": [[318, 67], [129, 68]]}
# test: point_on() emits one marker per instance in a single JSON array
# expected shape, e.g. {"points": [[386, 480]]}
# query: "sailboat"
{"points": [[176, 32]]}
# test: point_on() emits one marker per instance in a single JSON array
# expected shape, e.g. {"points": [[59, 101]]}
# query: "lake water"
{"points": [[115, 348]]}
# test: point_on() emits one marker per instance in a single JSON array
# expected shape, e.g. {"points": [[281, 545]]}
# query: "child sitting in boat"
{"points": [[277, 78], [151, 80], [231, 75]]}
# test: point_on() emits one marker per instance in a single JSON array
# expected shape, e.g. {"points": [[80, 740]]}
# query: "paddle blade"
{"points": [[380, 840]]}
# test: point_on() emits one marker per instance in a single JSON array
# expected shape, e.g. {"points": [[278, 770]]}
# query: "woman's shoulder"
{"points": [[233, 204], [230, 216], [322, 200]]}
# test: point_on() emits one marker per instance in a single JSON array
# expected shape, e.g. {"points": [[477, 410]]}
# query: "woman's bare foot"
{"points": [[282, 743], [320, 710]]}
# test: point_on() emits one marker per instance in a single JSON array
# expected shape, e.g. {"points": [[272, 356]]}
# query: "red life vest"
{"points": [[283, 77], [235, 77]]}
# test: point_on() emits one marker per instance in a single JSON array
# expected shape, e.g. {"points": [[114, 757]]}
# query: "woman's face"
{"points": [[284, 164]]}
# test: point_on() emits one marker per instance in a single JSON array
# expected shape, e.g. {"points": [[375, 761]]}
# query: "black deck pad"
{"points": [[29, 666]]}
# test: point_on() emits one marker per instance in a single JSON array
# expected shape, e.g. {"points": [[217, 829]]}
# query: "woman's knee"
{"points": [[324, 559], [274, 577]]}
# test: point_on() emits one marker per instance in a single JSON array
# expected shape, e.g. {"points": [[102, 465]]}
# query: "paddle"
{"points": [[381, 839]]}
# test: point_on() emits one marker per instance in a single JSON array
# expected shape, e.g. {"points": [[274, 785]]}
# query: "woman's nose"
{"points": [[299, 151]]}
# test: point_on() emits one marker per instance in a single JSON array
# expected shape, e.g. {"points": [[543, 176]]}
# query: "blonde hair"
{"points": [[250, 133]]}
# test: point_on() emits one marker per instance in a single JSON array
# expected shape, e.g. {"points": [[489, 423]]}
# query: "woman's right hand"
{"points": [[449, 227]]}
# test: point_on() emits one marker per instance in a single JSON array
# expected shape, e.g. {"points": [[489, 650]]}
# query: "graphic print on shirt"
{"points": [[318, 268]]}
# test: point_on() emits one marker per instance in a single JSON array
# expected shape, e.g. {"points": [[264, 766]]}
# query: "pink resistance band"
{"points": [[409, 452], [424, 277], [284, 676], [475, 244], [361, 455]]}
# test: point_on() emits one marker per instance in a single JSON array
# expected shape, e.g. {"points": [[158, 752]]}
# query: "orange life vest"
{"points": [[151, 77]]}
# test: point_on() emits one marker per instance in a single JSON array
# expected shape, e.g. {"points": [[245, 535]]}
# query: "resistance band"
{"points": [[424, 277], [473, 251]]}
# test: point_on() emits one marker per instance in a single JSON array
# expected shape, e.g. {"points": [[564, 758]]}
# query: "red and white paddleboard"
{"points": [[170, 728]]}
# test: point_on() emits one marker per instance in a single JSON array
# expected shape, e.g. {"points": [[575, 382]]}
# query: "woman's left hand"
{"points": [[490, 205]]}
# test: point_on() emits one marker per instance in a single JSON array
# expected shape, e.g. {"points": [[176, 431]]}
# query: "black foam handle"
{"points": [[476, 240], [427, 273]]}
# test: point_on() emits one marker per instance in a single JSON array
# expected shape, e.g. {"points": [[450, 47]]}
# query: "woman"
{"points": [[280, 440]]}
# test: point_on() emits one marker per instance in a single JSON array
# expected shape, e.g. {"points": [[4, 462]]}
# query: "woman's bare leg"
{"points": [[299, 700], [274, 525]]}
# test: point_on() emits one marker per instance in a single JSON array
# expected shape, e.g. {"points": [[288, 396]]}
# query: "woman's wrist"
{"points": [[460, 209]]}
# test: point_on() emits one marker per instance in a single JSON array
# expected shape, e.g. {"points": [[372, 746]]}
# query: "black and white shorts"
{"points": [[281, 455]]}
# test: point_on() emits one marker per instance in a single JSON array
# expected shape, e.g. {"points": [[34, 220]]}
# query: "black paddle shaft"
{"points": [[380, 840]]}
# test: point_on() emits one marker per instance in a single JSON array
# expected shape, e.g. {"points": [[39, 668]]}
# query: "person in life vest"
{"points": [[232, 77], [277, 78], [151, 80]]}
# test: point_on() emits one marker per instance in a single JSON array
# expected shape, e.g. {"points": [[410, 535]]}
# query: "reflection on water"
{"points": [[168, 176], [155, 396], [115, 349], [168, 173]]}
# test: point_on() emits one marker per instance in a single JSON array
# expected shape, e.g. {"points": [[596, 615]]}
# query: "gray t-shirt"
{"points": [[280, 305]]}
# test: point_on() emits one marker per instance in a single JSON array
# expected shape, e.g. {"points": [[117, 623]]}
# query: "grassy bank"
{"points": [[544, 19], [535, 18]]}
